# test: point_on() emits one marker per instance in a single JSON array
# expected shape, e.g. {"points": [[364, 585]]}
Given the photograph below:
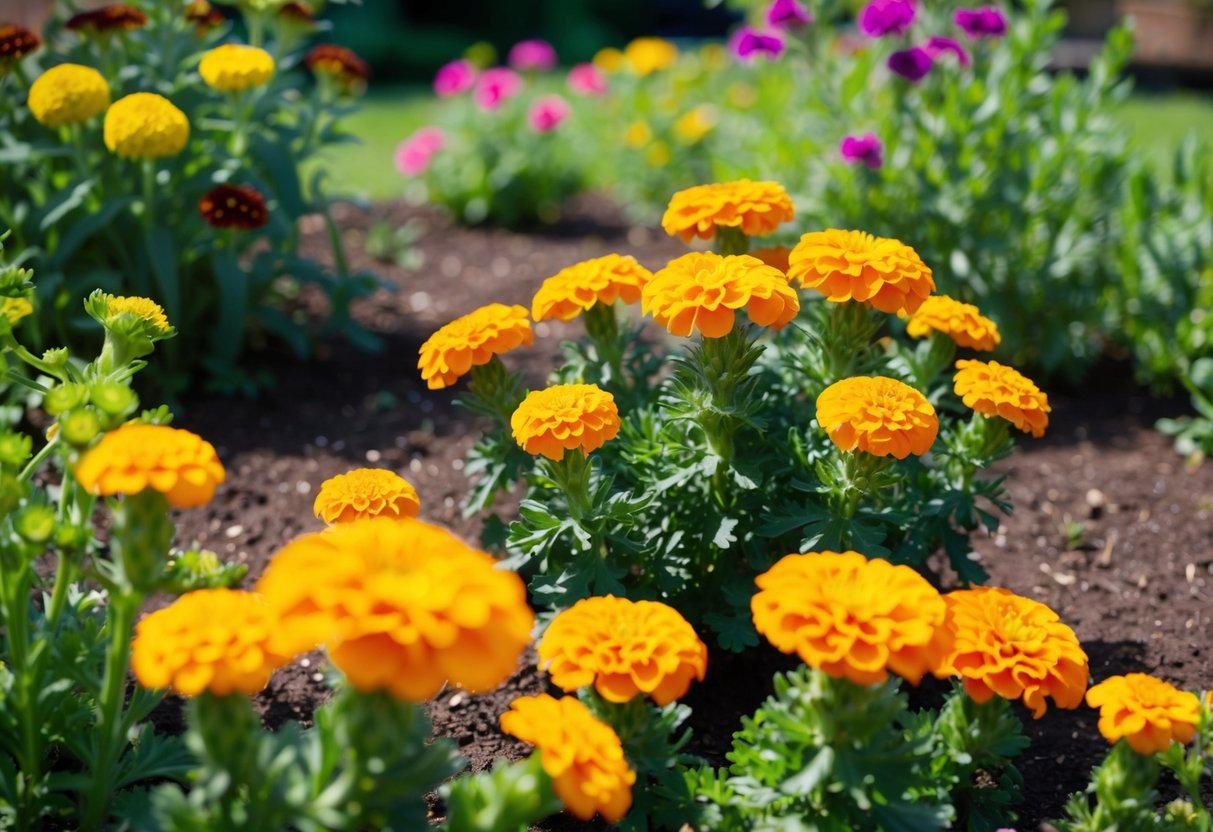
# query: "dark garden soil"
{"points": [[1111, 529]]}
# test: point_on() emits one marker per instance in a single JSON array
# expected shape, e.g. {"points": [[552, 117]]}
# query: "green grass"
{"points": [[1159, 123]]}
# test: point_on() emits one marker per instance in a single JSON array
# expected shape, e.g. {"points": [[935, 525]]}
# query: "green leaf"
{"points": [[162, 255]]}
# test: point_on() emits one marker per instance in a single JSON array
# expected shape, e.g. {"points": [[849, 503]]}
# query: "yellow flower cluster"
{"points": [[145, 125], [877, 415], [180, 465], [565, 417], [472, 340], [234, 67], [68, 94], [995, 390], [962, 322], [579, 287], [624, 649], [365, 492], [145, 309], [15, 309], [853, 265], [1147, 713], [756, 208], [643, 56], [702, 291]]}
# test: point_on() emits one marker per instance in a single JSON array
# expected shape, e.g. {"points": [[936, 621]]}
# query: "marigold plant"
{"points": [[624, 649], [234, 67], [581, 754], [1146, 712], [877, 415], [566, 417], [471, 340], [998, 391], [647, 55], [141, 308], [581, 286], [754, 208], [145, 125], [365, 492], [68, 94], [180, 465], [852, 617], [15, 43], [1014, 647], [962, 322], [113, 17], [854, 265], [332, 61], [234, 206]]}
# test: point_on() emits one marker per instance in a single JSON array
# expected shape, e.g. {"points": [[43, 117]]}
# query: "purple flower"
{"points": [[454, 78], [496, 85], [886, 17], [747, 43], [788, 14], [986, 22], [913, 64], [866, 149], [587, 79], [532, 54], [937, 46]]}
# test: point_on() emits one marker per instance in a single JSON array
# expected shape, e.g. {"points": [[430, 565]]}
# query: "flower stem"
{"points": [[731, 241]]}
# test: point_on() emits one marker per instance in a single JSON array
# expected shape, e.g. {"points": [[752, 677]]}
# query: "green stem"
{"points": [[29, 358], [149, 194], [15, 596], [731, 241], [602, 327], [572, 474], [39, 458]]}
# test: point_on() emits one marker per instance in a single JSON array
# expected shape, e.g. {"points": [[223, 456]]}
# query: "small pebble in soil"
{"points": [[303, 487]]}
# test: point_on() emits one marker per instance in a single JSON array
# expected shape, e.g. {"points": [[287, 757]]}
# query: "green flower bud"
{"points": [[11, 492], [15, 449], [72, 538], [113, 399], [36, 523], [65, 397], [80, 427], [56, 358]]}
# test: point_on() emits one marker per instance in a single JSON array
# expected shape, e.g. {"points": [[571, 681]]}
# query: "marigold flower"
{"points": [[702, 290], [1010, 646], [145, 125], [203, 15], [644, 56], [853, 265], [579, 287], [214, 640], [565, 417], [234, 206], [583, 756], [145, 309], [16, 42], [624, 649], [694, 124], [609, 59], [68, 94], [993, 389], [962, 322], [774, 256], [472, 340], [851, 617], [15, 309], [1146, 712], [339, 63], [180, 465], [756, 208], [366, 492], [234, 67], [401, 606], [297, 14], [111, 18], [877, 415]]}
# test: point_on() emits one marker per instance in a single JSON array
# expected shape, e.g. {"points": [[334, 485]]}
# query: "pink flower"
{"points": [[937, 46], [913, 64], [886, 17], [986, 22], [747, 43], [496, 85], [866, 149], [546, 113], [532, 54], [587, 79], [454, 78], [788, 14], [414, 153]]}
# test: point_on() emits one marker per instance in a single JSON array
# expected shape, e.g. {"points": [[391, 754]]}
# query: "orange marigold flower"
{"points": [[774, 256], [962, 322], [1146, 712], [583, 755], [624, 649], [366, 492], [579, 287], [401, 606], [234, 206], [350, 71], [702, 290], [214, 640], [993, 389], [16, 42], [756, 208], [565, 417], [180, 465], [880, 416], [111, 18], [1010, 646], [851, 617], [853, 265], [472, 340]]}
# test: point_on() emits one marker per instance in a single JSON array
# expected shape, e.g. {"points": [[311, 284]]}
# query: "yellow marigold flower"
{"points": [[15, 309], [401, 606], [472, 340], [144, 125], [993, 389], [1010, 646], [645, 56], [756, 208], [581, 754], [68, 94], [145, 309], [702, 290], [695, 124], [851, 617], [638, 134], [624, 649], [1147, 713], [234, 67], [565, 417], [214, 640], [609, 59], [853, 265], [962, 322], [366, 492], [877, 415], [180, 465], [774, 256], [579, 287]]}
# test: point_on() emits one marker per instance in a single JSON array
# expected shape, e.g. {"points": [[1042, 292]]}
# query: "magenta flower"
{"points": [[986, 22], [788, 14], [747, 43], [414, 153], [886, 17], [937, 46], [454, 78], [532, 54], [913, 64], [587, 79], [866, 149], [546, 113], [495, 86]]}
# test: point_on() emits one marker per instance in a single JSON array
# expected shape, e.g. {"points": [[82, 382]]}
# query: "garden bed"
{"points": [[1110, 528]]}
